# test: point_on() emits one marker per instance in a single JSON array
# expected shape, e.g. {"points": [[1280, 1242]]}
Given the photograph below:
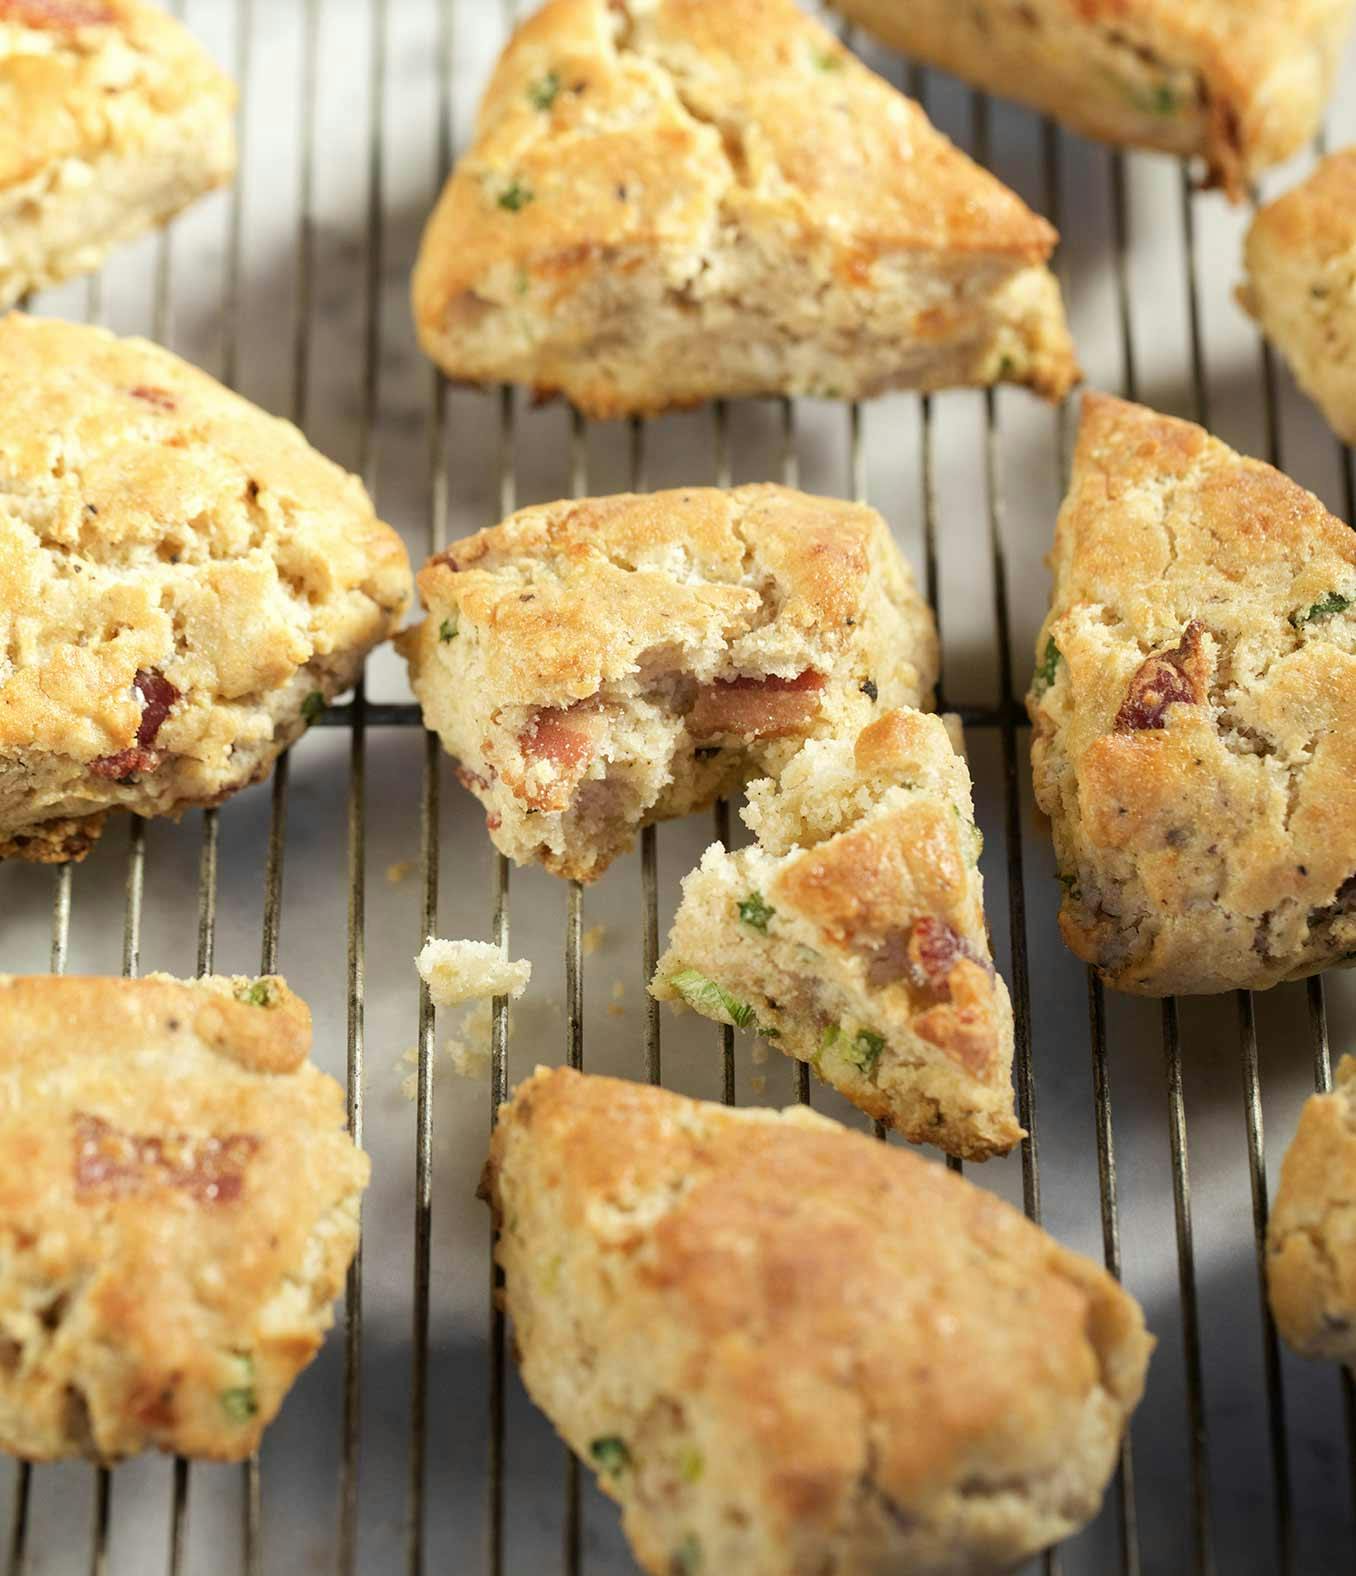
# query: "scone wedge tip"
{"points": [[185, 581], [1194, 713], [115, 119], [179, 1204], [852, 935], [669, 201], [783, 1346], [598, 664], [1240, 84]]}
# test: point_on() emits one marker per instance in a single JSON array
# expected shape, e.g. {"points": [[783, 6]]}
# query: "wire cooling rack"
{"points": [[409, 1444]]}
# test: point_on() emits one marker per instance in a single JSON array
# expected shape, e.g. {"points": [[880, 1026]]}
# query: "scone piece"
{"points": [[600, 664], [460, 971], [184, 584], [1241, 84], [1301, 285], [673, 200], [1195, 713], [785, 1347], [178, 1206], [1311, 1237], [853, 937], [112, 119]]}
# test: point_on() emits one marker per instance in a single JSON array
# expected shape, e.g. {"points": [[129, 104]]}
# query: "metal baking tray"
{"points": [[1156, 1128]]}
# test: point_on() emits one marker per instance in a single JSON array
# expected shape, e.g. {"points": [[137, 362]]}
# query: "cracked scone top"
{"points": [[673, 200], [787, 1347], [1241, 83], [1311, 1236], [112, 119], [184, 582], [1195, 713], [178, 1207], [599, 664], [1301, 285], [852, 935]]}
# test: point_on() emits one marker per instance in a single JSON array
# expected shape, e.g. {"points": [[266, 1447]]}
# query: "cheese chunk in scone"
{"points": [[112, 119], [1241, 84], [1301, 285], [184, 584], [1311, 1236], [1194, 708], [852, 935], [669, 201], [178, 1207], [600, 664], [784, 1347]]}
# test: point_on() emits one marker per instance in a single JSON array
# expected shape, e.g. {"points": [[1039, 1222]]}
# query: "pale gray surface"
{"points": [[301, 1458]]}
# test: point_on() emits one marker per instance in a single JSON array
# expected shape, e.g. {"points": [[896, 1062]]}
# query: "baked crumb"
{"points": [[458, 971]]}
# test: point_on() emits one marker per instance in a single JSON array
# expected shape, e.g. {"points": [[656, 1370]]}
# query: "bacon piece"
{"points": [[756, 708], [162, 399], [472, 781], [57, 14], [111, 1163], [157, 696], [924, 955], [1169, 678], [551, 738], [565, 741]]}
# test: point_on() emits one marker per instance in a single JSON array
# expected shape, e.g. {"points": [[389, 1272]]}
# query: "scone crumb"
{"points": [[758, 1053], [458, 971], [399, 871], [757, 1085], [593, 939]]}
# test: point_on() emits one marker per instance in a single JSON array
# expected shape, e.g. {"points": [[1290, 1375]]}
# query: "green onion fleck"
{"points": [[828, 60], [611, 1454], [543, 91], [240, 1404], [1326, 607], [865, 1050], [1049, 666], [259, 993], [312, 707], [687, 1557], [711, 1000], [515, 197], [691, 1465], [447, 630], [755, 912]]}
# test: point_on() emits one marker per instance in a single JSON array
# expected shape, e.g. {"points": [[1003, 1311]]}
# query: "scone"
{"points": [[1311, 1237], [112, 119], [178, 1206], [1240, 83], [601, 664], [785, 1347], [184, 584], [852, 935], [1301, 285], [673, 200], [1194, 709]]}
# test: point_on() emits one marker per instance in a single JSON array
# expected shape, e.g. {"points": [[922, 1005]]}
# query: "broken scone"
{"points": [[1301, 285], [184, 584], [1311, 1237], [784, 1347], [600, 664], [178, 1207], [852, 935], [112, 119], [1240, 83], [669, 201], [1195, 713]]}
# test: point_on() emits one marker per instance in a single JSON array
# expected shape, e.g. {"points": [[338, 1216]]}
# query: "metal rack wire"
{"points": [[1000, 717]]}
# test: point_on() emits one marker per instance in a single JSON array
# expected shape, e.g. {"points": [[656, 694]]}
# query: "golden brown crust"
{"points": [[1311, 1237], [685, 155], [178, 1206], [599, 663], [853, 935], [1207, 839], [1301, 284], [178, 572], [793, 1348], [1241, 83], [99, 101]]}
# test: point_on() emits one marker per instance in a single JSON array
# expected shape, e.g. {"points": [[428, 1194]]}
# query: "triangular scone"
{"points": [[112, 118], [673, 200], [788, 1349], [1195, 713], [1301, 285], [1241, 83], [599, 664], [852, 935]]}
